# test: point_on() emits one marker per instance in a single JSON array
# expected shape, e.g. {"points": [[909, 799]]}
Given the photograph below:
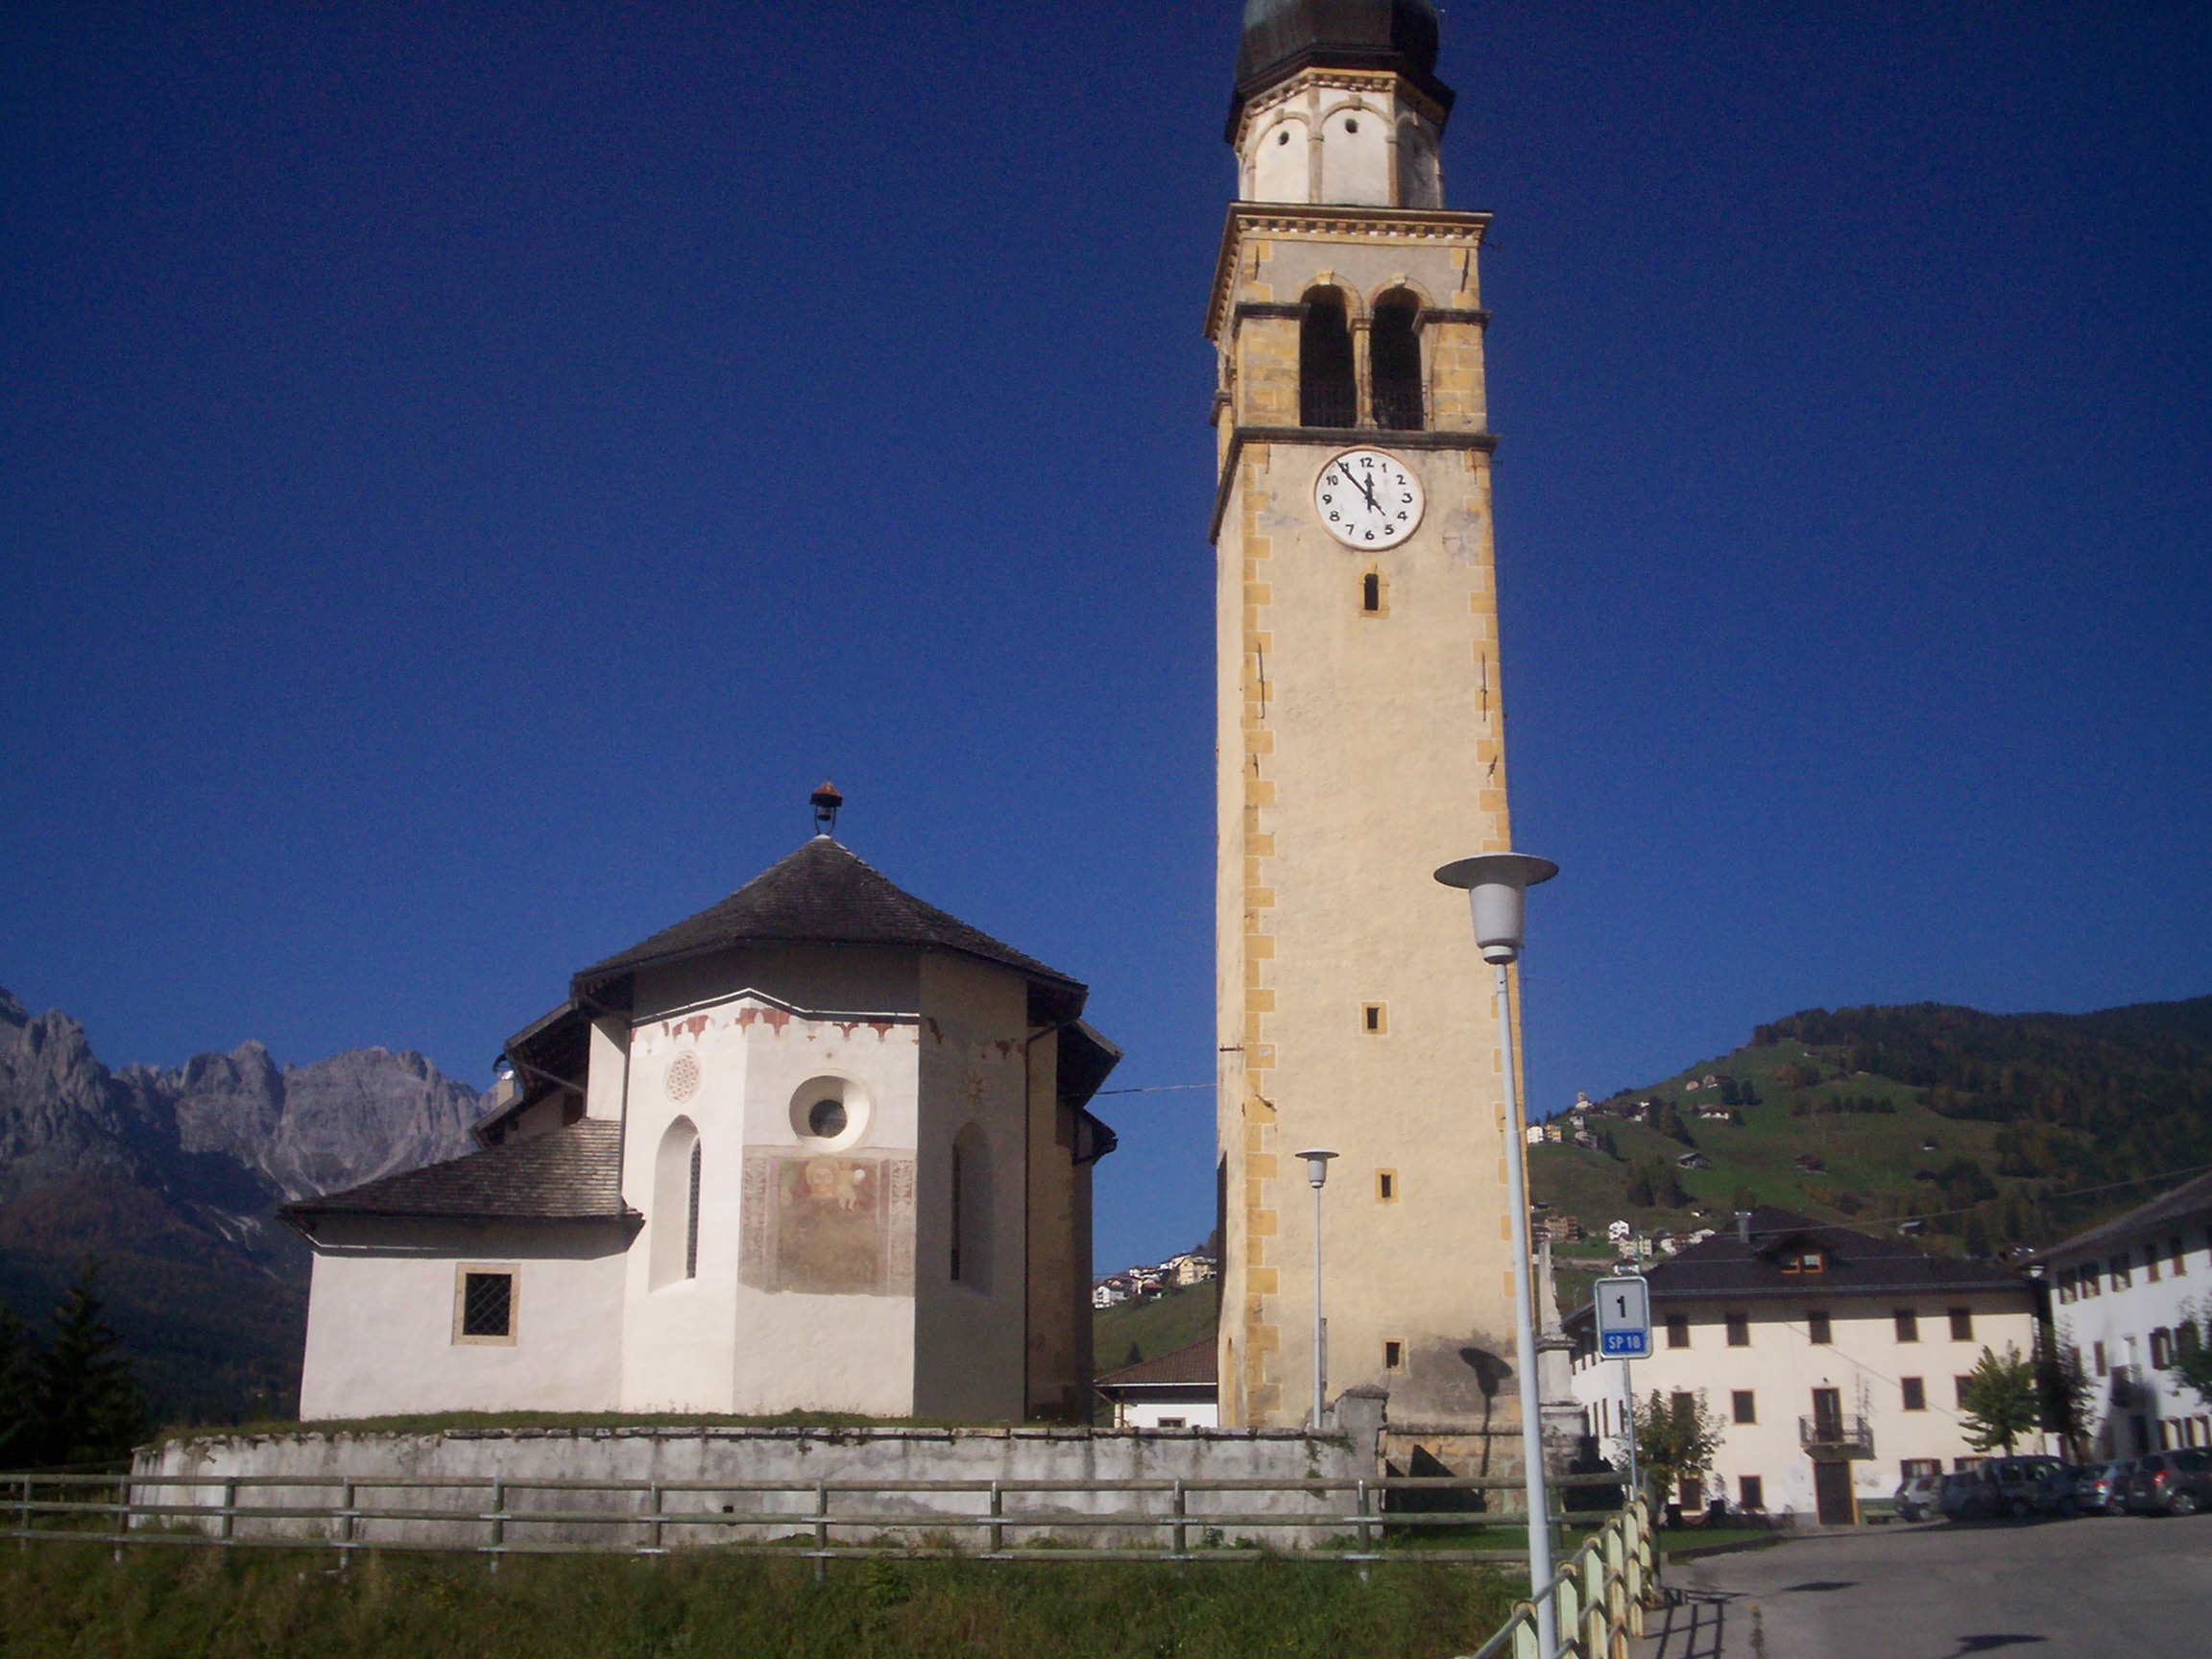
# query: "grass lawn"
{"points": [[202, 1605], [1155, 1327]]}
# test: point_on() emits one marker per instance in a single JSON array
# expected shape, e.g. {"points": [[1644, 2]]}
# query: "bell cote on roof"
{"points": [[1338, 102]]}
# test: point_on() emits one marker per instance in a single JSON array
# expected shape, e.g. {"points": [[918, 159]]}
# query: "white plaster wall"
{"points": [[969, 1346], [2122, 1320], [1278, 163], [1355, 153], [1188, 1413], [738, 1455], [798, 1351], [679, 1340], [380, 1323], [1782, 1366]]}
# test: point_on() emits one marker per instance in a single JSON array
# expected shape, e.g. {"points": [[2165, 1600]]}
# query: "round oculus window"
{"points": [[829, 1113], [682, 1078], [826, 1119]]}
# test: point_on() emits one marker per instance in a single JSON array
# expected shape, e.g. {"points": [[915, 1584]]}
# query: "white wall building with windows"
{"points": [[1832, 1360], [2128, 1296]]}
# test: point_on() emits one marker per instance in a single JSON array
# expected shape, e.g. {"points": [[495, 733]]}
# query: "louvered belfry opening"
{"points": [[1327, 391], [1394, 361]]}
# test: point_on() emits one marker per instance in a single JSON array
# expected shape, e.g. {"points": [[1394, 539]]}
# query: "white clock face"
{"points": [[1366, 498]]}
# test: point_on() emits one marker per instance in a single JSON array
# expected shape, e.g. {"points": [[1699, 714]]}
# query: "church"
{"points": [[819, 1147], [823, 1147]]}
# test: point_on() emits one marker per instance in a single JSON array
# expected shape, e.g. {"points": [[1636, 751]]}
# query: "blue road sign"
{"points": [[1623, 1307]]}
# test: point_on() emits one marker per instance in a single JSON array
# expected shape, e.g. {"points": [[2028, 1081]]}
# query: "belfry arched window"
{"points": [[1394, 363], [1327, 392]]}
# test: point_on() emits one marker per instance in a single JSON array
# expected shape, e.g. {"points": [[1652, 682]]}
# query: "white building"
{"points": [[2126, 1296], [1178, 1390], [1833, 1359], [819, 1147]]}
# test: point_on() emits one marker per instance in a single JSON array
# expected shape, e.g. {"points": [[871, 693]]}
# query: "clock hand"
{"points": [[1365, 489]]}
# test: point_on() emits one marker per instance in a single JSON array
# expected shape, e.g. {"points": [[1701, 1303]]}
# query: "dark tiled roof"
{"points": [[821, 894], [1858, 1264], [2191, 1201], [567, 1174], [1198, 1365]]}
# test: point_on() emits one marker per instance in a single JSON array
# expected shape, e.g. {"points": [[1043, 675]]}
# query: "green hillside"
{"points": [[1984, 1125], [1146, 1329]]}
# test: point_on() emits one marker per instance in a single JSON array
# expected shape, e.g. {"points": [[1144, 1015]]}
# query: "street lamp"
{"points": [[1317, 1175], [1497, 887]]}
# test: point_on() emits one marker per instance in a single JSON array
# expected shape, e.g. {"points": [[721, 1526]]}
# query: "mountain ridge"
{"points": [[172, 1175]]}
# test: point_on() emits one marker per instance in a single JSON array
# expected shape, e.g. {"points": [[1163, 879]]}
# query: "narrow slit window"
{"points": [[1371, 594], [1375, 1019], [1386, 1186], [691, 1221], [1393, 1356]]}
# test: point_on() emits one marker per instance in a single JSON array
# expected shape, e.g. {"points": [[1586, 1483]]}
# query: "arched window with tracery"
{"points": [[1327, 395], [675, 1217], [1394, 362]]}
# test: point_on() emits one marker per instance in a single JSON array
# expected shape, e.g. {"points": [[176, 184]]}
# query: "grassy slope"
{"points": [[198, 1605], [1154, 1328], [1870, 1156]]}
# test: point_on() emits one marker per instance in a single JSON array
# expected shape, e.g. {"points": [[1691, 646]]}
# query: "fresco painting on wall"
{"points": [[825, 1225]]}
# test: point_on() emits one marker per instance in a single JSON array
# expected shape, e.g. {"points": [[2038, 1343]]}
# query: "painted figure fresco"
{"points": [[822, 1224]]}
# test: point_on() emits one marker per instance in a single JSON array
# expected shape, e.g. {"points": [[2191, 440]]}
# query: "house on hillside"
{"points": [[2129, 1296], [820, 1147], [1177, 1390], [1834, 1360]]}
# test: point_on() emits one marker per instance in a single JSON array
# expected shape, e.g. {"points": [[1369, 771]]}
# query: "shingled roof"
{"points": [[1728, 1267], [821, 894], [574, 1173], [1196, 1366], [2188, 1203]]}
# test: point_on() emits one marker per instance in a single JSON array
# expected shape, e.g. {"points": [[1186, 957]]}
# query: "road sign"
{"points": [[1623, 1305]]}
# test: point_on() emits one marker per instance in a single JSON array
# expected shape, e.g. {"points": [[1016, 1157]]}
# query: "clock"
{"points": [[1366, 498]]}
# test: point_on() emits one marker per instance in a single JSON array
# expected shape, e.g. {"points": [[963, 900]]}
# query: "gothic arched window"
{"points": [[970, 1227], [1327, 396], [1394, 363], [675, 1217]]}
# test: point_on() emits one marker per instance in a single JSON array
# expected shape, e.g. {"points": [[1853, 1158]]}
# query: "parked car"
{"points": [[2172, 1482], [1919, 1497], [2102, 1487], [1959, 1498]]}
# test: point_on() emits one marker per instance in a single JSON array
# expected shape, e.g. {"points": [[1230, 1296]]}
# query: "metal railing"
{"points": [[1350, 1521], [1825, 1436], [1598, 1598]]}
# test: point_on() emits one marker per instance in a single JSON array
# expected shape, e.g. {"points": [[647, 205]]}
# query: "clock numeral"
{"points": [[1328, 500], [1336, 518], [1401, 517]]}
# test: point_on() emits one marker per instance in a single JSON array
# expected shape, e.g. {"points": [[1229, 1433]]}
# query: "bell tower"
{"points": [[1360, 739]]}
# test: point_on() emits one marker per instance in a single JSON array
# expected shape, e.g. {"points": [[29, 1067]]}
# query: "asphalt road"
{"points": [[2129, 1587]]}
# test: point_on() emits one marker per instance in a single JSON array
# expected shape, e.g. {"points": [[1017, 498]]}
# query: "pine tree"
{"points": [[18, 1416], [85, 1397]]}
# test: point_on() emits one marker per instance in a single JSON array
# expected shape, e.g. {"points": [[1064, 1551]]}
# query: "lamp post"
{"points": [[1497, 887], [1317, 1175]]}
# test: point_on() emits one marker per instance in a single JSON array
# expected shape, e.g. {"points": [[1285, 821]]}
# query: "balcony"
{"points": [[1825, 1437]]}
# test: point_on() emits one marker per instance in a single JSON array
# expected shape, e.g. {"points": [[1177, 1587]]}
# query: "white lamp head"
{"points": [[1497, 887], [1316, 1164]]}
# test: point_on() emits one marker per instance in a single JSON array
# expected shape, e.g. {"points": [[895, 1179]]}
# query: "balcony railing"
{"points": [[1825, 1436]]}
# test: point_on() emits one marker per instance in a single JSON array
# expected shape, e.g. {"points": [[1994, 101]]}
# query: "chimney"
{"points": [[1743, 1226]]}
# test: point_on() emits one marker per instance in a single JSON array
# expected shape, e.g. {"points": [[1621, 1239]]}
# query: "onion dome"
{"points": [[1283, 37]]}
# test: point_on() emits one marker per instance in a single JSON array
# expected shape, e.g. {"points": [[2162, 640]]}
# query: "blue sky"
{"points": [[467, 472]]}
